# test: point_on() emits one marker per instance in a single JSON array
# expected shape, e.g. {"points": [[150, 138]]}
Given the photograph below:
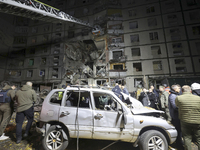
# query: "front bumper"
{"points": [[172, 135]]}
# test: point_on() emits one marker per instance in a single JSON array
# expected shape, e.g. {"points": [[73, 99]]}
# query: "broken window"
{"points": [[70, 34], [101, 82], [179, 61], [56, 60], [15, 73], [181, 69], [195, 15], [42, 73], [43, 61], [155, 50], [177, 49], [172, 19], [157, 65], [196, 30], [31, 62], [134, 38], [192, 2], [152, 22], [55, 76], [150, 9], [117, 54], [133, 25], [117, 40], [72, 99], [55, 73], [132, 13], [153, 36], [29, 73], [118, 67], [135, 51], [137, 67], [175, 34]]}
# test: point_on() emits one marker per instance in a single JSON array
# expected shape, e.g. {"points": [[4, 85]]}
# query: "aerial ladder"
{"points": [[37, 10]]}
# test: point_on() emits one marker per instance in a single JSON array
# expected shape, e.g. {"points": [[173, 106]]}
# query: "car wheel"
{"points": [[153, 140], [54, 140]]}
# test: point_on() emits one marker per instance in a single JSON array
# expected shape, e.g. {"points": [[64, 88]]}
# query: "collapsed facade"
{"points": [[153, 41]]}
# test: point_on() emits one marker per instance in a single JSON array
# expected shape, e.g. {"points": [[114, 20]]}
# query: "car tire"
{"points": [[153, 139], [54, 140]]}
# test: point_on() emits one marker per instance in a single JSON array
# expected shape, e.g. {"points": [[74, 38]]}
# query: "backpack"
{"points": [[4, 98]]}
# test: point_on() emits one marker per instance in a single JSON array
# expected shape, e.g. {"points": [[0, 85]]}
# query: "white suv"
{"points": [[99, 114]]}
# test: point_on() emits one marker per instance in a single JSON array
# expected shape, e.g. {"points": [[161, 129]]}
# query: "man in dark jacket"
{"points": [[6, 110], [25, 100], [175, 91], [143, 98], [117, 90], [164, 102], [195, 89], [152, 98], [189, 115]]}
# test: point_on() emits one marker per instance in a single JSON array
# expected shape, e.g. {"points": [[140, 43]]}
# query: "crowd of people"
{"points": [[24, 98], [181, 106]]}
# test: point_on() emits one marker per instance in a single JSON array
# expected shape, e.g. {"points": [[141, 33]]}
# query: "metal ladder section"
{"points": [[37, 10]]}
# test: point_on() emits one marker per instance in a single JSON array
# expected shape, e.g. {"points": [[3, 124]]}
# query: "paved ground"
{"points": [[34, 142]]}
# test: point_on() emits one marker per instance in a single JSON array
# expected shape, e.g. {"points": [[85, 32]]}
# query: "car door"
{"points": [[109, 119], [77, 119]]}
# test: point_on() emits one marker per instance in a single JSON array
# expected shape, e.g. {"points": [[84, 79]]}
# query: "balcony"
{"points": [[115, 73]]}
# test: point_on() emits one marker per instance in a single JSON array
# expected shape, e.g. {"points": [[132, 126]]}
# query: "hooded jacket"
{"points": [[173, 110], [11, 94], [25, 98]]}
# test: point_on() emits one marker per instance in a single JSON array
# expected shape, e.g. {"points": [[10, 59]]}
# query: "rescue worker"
{"points": [[164, 102], [138, 92], [166, 88], [60, 94], [6, 110]]}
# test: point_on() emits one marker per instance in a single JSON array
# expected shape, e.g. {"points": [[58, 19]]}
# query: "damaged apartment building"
{"points": [[146, 41]]}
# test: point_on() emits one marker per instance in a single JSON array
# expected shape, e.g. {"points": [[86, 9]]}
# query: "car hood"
{"points": [[145, 110], [138, 108]]}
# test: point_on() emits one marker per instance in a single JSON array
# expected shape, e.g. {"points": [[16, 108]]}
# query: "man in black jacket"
{"points": [[175, 91]]}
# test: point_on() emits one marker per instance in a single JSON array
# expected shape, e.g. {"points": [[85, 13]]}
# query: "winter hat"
{"points": [[195, 86]]}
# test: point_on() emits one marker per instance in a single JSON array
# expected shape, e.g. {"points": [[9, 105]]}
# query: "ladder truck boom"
{"points": [[37, 10]]}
